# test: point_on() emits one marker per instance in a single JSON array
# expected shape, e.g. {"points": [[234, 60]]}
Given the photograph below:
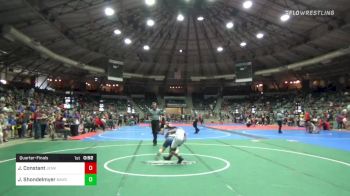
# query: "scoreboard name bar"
{"points": [[56, 157]]}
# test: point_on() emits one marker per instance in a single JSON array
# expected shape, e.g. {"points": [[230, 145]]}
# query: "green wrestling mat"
{"points": [[215, 167]]}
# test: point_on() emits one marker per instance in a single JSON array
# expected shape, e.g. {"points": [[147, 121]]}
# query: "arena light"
{"points": [[150, 22], [117, 32], [229, 25], [146, 47], [150, 2], [243, 44], [180, 50], [109, 11], [127, 41], [247, 4], [284, 17], [259, 35], [3, 81], [219, 49], [200, 18], [180, 17], [293, 82]]}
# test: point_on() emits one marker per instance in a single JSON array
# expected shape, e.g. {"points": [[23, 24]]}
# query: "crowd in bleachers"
{"points": [[33, 113], [145, 102], [200, 103], [325, 109], [28, 113]]}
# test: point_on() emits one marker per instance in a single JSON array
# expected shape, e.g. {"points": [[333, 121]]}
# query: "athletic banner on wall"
{"points": [[244, 72], [115, 70], [41, 82]]}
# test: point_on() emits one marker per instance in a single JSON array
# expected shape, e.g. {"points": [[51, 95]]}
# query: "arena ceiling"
{"points": [[202, 44]]}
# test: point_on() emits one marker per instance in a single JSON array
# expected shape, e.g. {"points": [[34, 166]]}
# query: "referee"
{"points": [[279, 119], [155, 113]]}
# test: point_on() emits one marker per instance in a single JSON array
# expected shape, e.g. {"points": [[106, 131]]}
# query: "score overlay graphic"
{"points": [[56, 169]]}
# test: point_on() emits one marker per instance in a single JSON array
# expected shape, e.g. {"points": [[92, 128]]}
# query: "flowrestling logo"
{"points": [[310, 12]]}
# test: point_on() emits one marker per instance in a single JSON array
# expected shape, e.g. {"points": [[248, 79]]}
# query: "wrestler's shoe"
{"points": [[180, 160], [167, 158]]}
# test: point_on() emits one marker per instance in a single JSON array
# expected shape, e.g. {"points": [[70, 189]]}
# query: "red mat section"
{"points": [[83, 136], [254, 128]]}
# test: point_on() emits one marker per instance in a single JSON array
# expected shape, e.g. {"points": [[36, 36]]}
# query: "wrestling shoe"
{"points": [[167, 158], [179, 161]]}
